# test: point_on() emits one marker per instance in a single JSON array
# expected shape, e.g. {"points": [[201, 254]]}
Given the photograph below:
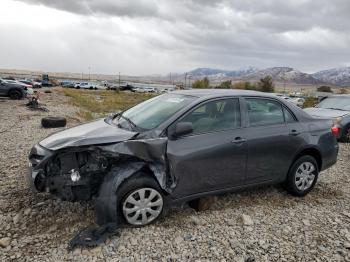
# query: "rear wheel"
{"points": [[346, 136], [141, 200], [15, 94], [302, 176]]}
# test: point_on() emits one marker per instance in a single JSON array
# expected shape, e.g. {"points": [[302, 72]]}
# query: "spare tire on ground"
{"points": [[52, 121]]}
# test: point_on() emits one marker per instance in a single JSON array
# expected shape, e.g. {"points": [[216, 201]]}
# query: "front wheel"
{"points": [[141, 200], [302, 176]]}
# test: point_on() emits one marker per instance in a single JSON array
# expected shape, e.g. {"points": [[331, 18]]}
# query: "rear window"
{"points": [[336, 102], [264, 112]]}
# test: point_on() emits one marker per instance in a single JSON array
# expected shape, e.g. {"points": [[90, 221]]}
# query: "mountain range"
{"points": [[334, 76]]}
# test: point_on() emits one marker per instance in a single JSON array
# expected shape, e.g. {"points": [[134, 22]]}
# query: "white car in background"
{"points": [[145, 90], [85, 85], [299, 101]]}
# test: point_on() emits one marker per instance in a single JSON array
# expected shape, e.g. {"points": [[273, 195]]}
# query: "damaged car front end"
{"points": [[81, 162], [70, 174], [69, 165]]}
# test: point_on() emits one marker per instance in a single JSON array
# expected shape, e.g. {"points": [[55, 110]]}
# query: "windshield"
{"points": [[336, 102], [151, 113]]}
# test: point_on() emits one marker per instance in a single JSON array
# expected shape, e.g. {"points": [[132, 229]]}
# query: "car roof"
{"points": [[340, 95], [208, 93]]}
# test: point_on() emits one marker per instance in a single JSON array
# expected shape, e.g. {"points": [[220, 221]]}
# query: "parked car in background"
{"points": [[34, 84], [295, 100], [13, 89], [182, 146], [145, 89], [27, 82], [337, 108], [85, 85], [68, 84]]}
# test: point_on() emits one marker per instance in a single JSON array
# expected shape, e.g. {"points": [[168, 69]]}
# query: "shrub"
{"points": [[244, 85], [203, 83], [225, 84], [325, 89], [343, 91], [266, 84], [310, 102]]}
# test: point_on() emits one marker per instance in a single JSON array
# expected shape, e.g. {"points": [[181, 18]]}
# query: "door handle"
{"points": [[239, 140], [294, 133]]}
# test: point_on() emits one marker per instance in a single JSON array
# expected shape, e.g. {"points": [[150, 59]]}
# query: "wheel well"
{"points": [[311, 152], [151, 174]]}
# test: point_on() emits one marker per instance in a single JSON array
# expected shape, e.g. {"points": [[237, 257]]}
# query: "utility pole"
{"points": [[185, 80], [284, 83], [89, 74], [119, 80], [170, 78], [82, 78]]}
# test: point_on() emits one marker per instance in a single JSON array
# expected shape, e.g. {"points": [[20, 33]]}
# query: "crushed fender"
{"points": [[93, 236]]}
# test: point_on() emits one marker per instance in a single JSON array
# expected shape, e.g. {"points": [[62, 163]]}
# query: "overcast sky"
{"points": [[138, 37]]}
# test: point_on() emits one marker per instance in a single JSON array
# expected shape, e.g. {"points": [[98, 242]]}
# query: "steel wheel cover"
{"points": [[142, 206], [305, 176]]}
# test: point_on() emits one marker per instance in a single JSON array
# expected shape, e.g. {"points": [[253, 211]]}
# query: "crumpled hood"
{"points": [[325, 113], [93, 133]]}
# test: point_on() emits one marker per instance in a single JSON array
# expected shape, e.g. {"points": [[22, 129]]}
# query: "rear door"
{"points": [[273, 136], [213, 157]]}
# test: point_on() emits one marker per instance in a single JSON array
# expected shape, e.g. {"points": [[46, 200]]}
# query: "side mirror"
{"points": [[183, 128]]}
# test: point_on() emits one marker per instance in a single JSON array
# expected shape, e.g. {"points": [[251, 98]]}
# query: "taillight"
{"points": [[335, 131]]}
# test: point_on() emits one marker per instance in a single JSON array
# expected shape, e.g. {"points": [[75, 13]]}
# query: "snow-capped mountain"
{"points": [[336, 76], [282, 74], [218, 73]]}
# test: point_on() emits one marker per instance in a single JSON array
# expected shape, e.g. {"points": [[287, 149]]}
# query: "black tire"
{"points": [[49, 122], [290, 183], [138, 181], [346, 135], [15, 94]]}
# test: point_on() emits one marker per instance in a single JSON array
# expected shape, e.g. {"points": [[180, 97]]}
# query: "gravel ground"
{"points": [[263, 224]]}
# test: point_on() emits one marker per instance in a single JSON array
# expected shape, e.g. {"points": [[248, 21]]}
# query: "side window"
{"points": [[215, 115], [288, 117], [264, 112]]}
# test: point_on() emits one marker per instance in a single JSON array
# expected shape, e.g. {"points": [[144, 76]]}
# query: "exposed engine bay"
{"points": [[74, 175]]}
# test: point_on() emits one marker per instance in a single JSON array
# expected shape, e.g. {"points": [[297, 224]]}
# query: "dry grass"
{"points": [[95, 104], [310, 102]]}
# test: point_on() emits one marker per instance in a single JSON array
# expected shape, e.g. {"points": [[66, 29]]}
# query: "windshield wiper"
{"points": [[131, 123]]}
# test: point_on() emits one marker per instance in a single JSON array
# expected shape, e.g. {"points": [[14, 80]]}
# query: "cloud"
{"points": [[150, 36], [132, 8]]}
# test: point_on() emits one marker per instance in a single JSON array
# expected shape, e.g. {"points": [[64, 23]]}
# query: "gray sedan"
{"points": [[12, 89], [182, 146], [337, 108]]}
